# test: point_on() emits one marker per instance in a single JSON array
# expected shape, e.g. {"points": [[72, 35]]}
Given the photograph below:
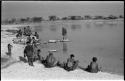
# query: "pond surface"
{"points": [[102, 39]]}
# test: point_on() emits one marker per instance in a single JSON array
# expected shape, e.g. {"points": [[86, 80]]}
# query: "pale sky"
{"points": [[60, 8]]}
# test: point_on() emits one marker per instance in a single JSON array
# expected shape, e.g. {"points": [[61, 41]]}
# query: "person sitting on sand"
{"points": [[29, 39], [93, 67], [19, 33], [28, 52], [24, 33], [71, 63], [50, 61], [9, 49], [33, 41], [36, 35], [29, 32]]}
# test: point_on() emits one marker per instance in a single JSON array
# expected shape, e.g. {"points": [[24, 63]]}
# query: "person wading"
{"points": [[64, 33]]}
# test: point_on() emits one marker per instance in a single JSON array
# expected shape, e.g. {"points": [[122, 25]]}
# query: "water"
{"points": [[88, 38], [102, 39]]}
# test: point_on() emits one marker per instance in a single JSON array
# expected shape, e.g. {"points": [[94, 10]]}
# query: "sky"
{"points": [[44, 9]]}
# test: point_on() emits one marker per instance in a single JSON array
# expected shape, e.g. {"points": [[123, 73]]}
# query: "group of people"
{"points": [[33, 53], [26, 31], [50, 60]]}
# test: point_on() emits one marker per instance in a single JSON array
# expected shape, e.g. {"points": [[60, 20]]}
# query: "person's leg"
{"points": [[9, 52], [30, 61]]}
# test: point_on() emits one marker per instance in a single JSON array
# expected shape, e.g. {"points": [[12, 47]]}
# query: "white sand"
{"points": [[24, 71], [21, 70]]}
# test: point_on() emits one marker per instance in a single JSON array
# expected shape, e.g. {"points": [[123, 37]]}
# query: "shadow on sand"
{"points": [[23, 59], [6, 62]]}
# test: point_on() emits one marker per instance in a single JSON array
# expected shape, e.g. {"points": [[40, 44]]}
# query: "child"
{"points": [[9, 49], [50, 61], [71, 63], [38, 55], [93, 67], [36, 34]]}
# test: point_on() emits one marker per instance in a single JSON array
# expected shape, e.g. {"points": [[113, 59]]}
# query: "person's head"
{"points": [[28, 43], [94, 59], [9, 44], [33, 37], [38, 50], [28, 35], [35, 32], [72, 56]]}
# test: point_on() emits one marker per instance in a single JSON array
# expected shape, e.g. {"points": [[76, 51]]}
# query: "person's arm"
{"points": [[55, 61], [99, 68]]}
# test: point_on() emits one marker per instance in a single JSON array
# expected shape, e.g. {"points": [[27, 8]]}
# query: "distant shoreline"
{"points": [[99, 20]]}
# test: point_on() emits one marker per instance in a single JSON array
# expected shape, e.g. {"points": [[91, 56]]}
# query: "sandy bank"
{"points": [[24, 71], [21, 70]]}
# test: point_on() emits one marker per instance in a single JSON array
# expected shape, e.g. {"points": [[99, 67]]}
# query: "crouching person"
{"points": [[71, 63], [93, 67], [9, 50], [50, 61], [28, 52]]}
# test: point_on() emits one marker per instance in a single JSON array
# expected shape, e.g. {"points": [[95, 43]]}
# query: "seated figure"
{"points": [[93, 67], [50, 61], [70, 65]]}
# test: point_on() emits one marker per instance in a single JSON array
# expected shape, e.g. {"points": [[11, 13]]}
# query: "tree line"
{"points": [[55, 18]]}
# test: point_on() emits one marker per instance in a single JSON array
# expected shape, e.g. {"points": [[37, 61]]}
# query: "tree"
{"points": [[87, 17], [52, 18], [112, 17], [98, 17], [37, 19], [121, 16]]}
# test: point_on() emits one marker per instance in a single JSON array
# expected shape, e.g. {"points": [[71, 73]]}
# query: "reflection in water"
{"points": [[88, 25], [53, 28], [38, 28], [74, 27], [111, 24], [99, 24], [65, 48]]}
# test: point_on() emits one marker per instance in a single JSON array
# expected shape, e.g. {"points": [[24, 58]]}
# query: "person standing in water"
{"points": [[64, 33], [9, 49]]}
